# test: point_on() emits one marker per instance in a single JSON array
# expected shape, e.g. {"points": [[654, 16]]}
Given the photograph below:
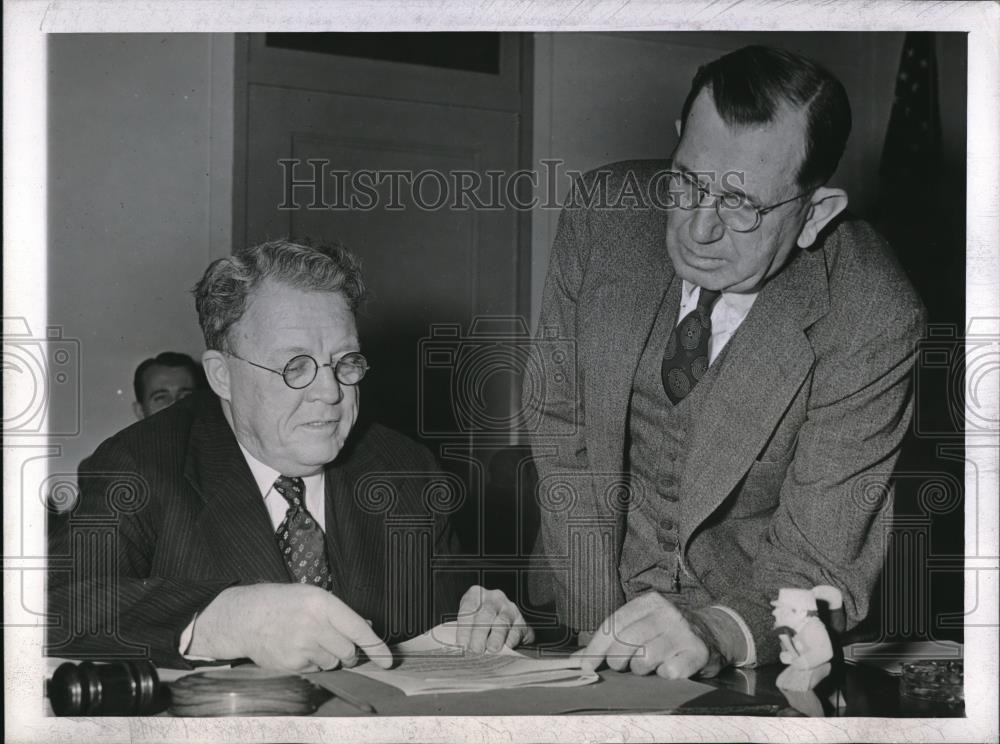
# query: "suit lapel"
{"points": [[355, 538], [233, 520], [766, 364]]}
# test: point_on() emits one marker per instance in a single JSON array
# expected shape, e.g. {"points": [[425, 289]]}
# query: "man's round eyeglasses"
{"points": [[735, 211], [301, 370]]}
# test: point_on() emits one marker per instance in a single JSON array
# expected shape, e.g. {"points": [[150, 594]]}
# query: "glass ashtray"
{"points": [[933, 684]]}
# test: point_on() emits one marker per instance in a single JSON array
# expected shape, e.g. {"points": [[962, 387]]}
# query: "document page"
{"points": [[434, 663]]}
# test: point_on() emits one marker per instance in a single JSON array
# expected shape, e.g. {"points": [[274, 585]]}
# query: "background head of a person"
{"points": [[163, 380], [283, 353], [762, 130]]}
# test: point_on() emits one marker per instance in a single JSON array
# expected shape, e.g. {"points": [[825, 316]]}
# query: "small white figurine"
{"points": [[805, 642]]}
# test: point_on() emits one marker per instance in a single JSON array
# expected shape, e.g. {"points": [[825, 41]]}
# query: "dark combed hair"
{"points": [[222, 295], [750, 84], [167, 359]]}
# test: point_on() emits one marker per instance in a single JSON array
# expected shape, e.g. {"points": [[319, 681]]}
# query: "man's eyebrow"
{"points": [[291, 350], [750, 197], [351, 344]]}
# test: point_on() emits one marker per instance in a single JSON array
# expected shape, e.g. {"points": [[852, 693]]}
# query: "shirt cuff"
{"points": [[185, 643], [751, 655]]}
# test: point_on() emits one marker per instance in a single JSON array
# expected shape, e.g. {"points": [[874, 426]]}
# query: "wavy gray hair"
{"points": [[222, 293]]}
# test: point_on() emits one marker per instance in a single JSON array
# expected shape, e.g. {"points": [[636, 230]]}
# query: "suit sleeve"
{"points": [[835, 502], [557, 438], [103, 601], [558, 441]]}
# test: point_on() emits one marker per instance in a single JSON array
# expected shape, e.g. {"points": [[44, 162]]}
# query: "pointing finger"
{"points": [[603, 639], [682, 664], [633, 644], [353, 627], [471, 601], [498, 633]]}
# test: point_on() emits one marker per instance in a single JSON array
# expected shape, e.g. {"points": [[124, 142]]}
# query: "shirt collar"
{"points": [[688, 289], [265, 476], [741, 303]]}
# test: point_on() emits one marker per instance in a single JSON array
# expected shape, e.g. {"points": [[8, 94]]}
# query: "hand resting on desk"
{"points": [[650, 634], [292, 627], [487, 620]]}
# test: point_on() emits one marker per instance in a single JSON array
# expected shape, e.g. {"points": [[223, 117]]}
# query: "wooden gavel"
{"points": [[123, 688]]}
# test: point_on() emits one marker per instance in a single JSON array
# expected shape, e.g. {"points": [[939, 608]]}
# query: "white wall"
{"points": [[140, 149], [602, 97]]}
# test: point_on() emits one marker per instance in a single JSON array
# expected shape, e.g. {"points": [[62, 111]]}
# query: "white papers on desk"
{"points": [[434, 663]]}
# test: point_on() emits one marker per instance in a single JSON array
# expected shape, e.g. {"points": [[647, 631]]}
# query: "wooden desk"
{"points": [[865, 691], [615, 693]]}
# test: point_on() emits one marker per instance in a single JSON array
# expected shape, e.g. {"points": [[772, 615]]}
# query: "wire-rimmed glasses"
{"points": [[301, 370], [735, 210]]}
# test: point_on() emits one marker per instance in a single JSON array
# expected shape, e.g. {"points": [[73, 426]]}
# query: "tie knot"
{"points": [[293, 489], [707, 298]]}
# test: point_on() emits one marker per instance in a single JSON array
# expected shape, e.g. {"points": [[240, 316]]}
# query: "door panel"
{"points": [[424, 266]]}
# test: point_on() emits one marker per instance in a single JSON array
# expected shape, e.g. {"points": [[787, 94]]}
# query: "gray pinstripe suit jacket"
{"points": [[786, 475], [188, 520]]}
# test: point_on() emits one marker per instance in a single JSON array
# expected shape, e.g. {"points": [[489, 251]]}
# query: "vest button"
{"points": [[667, 524], [669, 544]]}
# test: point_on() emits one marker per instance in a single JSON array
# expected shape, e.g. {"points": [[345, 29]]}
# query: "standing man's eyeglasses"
{"points": [[735, 211], [301, 370]]}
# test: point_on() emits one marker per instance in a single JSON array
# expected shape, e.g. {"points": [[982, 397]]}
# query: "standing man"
{"points": [[163, 380], [255, 524], [743, 358]]}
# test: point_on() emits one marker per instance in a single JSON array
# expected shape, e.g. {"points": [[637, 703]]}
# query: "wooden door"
{"points": [[432, 268]]}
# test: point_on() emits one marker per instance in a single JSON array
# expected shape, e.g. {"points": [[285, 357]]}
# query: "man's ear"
{"points": [[216, 368], [137, 410], [826, 204]]}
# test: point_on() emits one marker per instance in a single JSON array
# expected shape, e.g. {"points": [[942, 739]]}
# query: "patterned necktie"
{"points": [[300, 539], [686, 357]]}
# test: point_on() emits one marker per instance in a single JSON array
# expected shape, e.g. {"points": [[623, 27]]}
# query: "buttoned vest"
{"points": [[656, 449]]}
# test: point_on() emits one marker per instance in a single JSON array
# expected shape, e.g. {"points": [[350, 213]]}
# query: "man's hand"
{"points": [[295, 627], [650, 634], [488, 620]]}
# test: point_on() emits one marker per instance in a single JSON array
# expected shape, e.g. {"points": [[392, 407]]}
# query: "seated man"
{"points": [[743, 368], [163, 380], [262, 523]]}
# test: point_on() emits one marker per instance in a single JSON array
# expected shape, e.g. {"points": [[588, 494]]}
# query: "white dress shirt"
{"points": [[265, 476], [729, 311]]}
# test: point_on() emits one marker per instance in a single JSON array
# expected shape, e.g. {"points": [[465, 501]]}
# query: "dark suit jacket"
{"points": [[170, 516], [787, 481]]}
